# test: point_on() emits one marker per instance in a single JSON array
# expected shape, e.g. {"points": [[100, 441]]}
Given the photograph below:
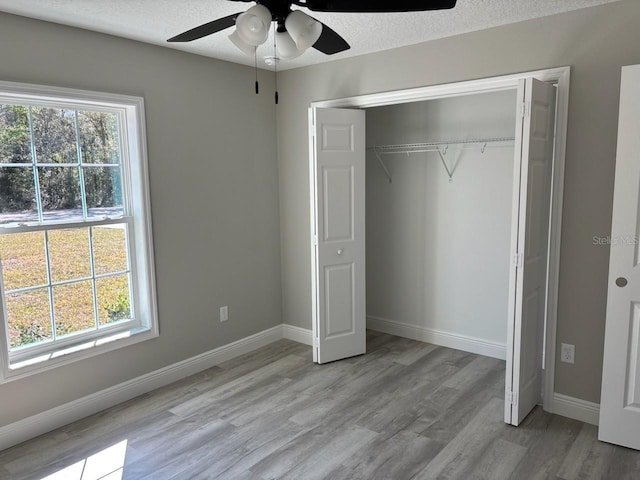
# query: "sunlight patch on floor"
{"points": [[108, 464]]}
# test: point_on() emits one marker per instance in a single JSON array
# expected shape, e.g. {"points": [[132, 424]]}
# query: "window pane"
{"points": [[17, 195], [28, 317], [15, 144], [103, 189], [23, 260], [60, 193], [73, 307], [98, 137], [109, 249], [54, 135], [113, 299], [69, 254]]}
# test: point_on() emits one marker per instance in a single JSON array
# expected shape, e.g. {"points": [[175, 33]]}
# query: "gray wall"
{"points": [[214, 196], [596, 42], [438, 251]]}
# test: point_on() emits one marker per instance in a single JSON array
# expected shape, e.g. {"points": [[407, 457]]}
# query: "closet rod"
{"points": [[441, 147], [432, 146]]}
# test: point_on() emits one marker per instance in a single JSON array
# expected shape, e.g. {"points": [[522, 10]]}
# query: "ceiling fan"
{"points": [[296, 31]]}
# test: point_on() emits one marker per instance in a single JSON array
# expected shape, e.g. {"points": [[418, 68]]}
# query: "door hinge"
{"points": [[316, 343], [315, 240], [525, 109], [511, 398], [517, 260]]}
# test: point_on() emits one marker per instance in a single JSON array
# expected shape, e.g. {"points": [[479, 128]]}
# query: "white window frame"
{"points": [[135, 185]]}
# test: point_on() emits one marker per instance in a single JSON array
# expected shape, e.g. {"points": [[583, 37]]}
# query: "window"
{"points": [[75, 234]]}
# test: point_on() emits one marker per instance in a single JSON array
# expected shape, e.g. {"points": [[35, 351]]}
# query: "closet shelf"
{"points": [[441, 147]]}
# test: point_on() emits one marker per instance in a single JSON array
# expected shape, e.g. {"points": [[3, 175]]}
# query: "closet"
{"points": [[431, 218], [439, 191]]}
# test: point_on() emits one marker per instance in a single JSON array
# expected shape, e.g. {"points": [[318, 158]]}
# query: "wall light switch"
{"points": [[224, 313]]}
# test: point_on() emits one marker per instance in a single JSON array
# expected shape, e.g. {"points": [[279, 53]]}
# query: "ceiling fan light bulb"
{"points": [[304, 30], [286, 47], [243, 46], [253, 25]]}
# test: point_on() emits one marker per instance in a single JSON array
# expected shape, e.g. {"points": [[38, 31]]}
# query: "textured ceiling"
{"points": [[153, 21]]}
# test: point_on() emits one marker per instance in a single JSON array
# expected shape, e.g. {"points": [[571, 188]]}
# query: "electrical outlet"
{"points": [[567, 353], [224, 313]]}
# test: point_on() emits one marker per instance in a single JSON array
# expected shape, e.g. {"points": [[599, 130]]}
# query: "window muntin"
{"points": [[59, 164], [83, 273], [75, 246]]}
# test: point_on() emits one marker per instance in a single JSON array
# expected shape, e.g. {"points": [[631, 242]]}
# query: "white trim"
{"points": [[313, 224], [79, 351], [575, 408], [455, 89], [555, 233], [438, 337], [49, 420], [560, 76], [297, 334], [46, 421], [39, 93]]}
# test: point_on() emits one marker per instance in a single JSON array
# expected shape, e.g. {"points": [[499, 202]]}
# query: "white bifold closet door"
{"points": [[530, 238], [337, 140], [620, 399]]}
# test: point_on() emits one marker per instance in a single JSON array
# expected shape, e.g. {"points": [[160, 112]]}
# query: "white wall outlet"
{"points": [[567, 353], [224, 313]]}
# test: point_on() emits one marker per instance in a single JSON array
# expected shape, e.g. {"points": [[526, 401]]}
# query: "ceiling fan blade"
{"points": [[364, 6], [206, 29], [330, 42]]}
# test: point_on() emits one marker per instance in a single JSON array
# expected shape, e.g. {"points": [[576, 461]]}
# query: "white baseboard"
{"points": [[297, 334], [44, 422], [575, 408], [48, 420], [438, 337]]}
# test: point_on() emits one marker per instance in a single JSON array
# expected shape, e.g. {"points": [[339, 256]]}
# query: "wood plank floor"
{"points": [[405, 410]]}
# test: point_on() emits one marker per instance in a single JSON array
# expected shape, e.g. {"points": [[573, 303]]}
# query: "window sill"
{"points": [[66, 355]]}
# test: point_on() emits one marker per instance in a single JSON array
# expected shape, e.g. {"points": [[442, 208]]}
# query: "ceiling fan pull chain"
{"points": [[275, 63], [255, 61]]}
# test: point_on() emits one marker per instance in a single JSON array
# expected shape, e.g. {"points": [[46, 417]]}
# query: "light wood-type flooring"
{"points": [[405, 410]]}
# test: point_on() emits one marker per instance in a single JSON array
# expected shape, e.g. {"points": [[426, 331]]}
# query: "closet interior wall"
{"points": [[438, 251]]}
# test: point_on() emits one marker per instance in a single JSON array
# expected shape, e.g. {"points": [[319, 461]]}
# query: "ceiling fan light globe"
{"points": [[286, 47], [261, 12], [304, 30], [253, 25], [243, 46], [250, 35]]}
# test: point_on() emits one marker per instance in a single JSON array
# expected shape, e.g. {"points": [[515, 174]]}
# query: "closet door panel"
{"points": [[532, 182], [620, 398], [338, 231], [338, 192]]}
